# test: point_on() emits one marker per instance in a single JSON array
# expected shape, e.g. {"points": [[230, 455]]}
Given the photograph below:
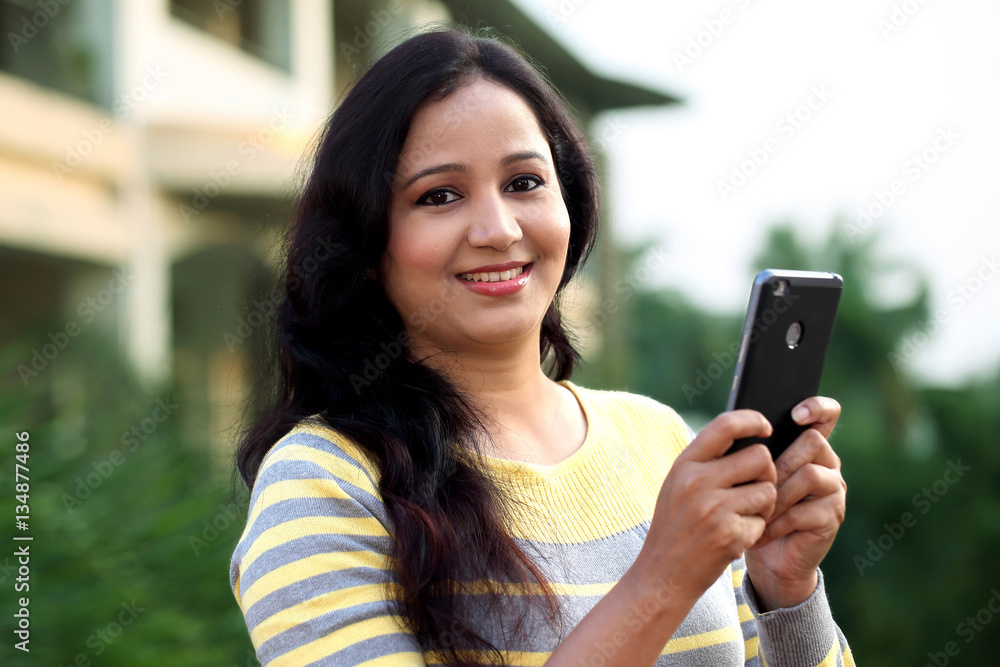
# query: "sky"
{"points": [[881, 116]]}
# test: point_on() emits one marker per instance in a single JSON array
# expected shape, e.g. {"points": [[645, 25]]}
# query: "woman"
{"points": [[423, 492]]}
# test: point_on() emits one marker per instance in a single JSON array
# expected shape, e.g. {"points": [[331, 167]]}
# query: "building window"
{"points": [[259, 27], [63, 46]]}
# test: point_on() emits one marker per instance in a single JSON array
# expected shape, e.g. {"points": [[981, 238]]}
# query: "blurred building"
{"points": [[150, 149]]}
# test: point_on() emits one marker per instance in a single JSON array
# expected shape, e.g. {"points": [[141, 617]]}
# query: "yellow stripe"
{"points": [[743, 613], [751, 647], [296, 571], [308, 610], [293, 489], [831, 658], [408, 659], [313, 527], [712, 638], [848, 657], [738, 577], [340, 639]]}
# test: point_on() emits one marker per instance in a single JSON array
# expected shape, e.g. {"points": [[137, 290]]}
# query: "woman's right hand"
{"points": [[711, 508]]}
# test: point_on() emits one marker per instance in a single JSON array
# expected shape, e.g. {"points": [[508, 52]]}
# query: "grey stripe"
{"points": [[328, 623], [310, 587], [310, 545], [314, 442], [715, 610], [374, 647], [598, 562], [303, 508]]}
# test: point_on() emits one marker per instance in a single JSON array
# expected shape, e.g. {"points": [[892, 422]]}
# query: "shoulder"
{"points": [[634, 416], [315, 464], [314, 450]]}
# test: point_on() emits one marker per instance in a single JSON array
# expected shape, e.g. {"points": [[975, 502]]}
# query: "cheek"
{"points": [[418, 251], [416, 265], [555, 232]]}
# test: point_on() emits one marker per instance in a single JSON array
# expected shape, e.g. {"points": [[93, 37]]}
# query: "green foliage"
{"points": [[123, 487], [898, 591]]}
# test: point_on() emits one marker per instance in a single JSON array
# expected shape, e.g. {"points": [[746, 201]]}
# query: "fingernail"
{"points": [[800, 414]]}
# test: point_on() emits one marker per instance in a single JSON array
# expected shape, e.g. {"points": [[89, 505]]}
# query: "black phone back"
{"points": [[783, 349]]}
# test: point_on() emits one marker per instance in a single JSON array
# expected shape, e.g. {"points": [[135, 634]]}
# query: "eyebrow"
{"points": [[461, 168]]}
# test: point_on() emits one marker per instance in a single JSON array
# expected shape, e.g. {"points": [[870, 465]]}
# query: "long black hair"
{"points": [[342, 345]]}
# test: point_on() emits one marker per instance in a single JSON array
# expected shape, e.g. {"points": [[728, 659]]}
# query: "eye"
{"points": [[438, 197], [524, 184]]}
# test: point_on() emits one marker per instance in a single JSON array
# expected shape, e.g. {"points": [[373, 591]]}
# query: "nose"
{"points": [[493, 224]]}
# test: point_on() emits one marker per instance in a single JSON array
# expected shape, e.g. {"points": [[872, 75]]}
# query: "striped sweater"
{"points": [[311, 567]]}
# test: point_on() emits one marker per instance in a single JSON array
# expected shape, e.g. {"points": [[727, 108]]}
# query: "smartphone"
{"points": [[783, 349]]}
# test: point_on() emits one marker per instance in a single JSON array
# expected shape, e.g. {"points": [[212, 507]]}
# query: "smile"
{"points": [[497, 283], [493, 276]]}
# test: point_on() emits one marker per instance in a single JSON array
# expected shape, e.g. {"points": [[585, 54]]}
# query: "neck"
{"points": [[506, 383]]}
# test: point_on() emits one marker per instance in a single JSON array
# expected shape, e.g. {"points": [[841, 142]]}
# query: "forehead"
{"points": [[480, 118]]}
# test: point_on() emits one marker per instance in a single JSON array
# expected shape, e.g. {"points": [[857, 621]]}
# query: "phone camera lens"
{"points": [[793, 335]]}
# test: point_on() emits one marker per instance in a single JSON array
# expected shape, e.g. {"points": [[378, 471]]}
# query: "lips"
{"points": [[494, 273], [493, 276], [497, 279]]}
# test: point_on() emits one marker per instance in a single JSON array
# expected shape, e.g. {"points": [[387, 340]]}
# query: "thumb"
{"points": [[718, 435]]}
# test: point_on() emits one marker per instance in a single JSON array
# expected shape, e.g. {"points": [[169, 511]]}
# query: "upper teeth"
{"points": [[494, 276]]}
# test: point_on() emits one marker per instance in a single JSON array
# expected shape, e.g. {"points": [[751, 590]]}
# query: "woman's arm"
{"points": [[709, 510], [312, 572]]}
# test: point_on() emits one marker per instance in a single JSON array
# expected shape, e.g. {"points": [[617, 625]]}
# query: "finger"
{"points": [[718, 436], [810, 447], [751, 530], [755, 499], [751, 464], [809, 481], [819, 411], [820, 516]]}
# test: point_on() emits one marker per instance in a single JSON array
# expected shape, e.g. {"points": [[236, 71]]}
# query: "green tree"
{"points": [[911, 562]]}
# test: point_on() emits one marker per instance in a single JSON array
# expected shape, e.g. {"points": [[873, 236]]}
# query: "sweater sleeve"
{"points": [[801, 636], [312, 572]]}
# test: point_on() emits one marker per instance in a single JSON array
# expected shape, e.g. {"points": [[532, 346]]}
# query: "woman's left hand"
{"points": [[810, 507]]}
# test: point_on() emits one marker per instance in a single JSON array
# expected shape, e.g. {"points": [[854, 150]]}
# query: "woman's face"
{"points": [[478, 231]]}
